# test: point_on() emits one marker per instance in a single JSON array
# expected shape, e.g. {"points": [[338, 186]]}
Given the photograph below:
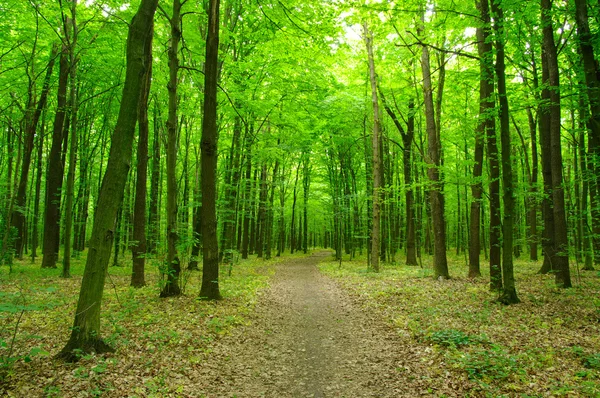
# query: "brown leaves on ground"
{"points": [[398, 333], [549, 345], [159, 342]]}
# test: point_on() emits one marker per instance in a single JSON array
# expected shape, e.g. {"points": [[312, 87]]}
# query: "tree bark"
{"points": [[232, 176], [18, 214], [173, 268], [376, 215], [69, 195], [153, 203], [210, 274], [139, 211], [55, 170], [561, 259], [85, 333], [592, 89], [486, 104], [248, 202], [436, 197], [509, 292]]}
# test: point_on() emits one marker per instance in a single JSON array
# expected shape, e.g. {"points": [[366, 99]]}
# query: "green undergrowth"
{"points": [[155, 339], [549, 344]]}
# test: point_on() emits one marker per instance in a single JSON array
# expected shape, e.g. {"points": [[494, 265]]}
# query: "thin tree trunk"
{"points": [[436, 197], [509, 292], [376, 226], [38, 188], [139, 212], [261, 220], [232, 176], [486, 103], [293, 245], [153, 205], [171, 287], [248, 203], [69, 195]]}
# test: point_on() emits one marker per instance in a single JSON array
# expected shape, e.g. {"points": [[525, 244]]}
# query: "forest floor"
{"points": [[306, 326], [309, 338]]}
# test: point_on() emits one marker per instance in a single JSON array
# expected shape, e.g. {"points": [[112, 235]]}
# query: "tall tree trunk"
{"points": [[545, 146], [85, 333], [139, 211], [55, 170], [592, 89], [587, 247], [293, 245], [407, 139], [436, 197], [38, 188], [18, 213], [493, 164], [171, 287], [532, 201], [248, 202], [153, 205], [261, 219], [486, 104], [376, 226], [509, 292], [210, 274], [232, 176], [561, 259], [270, 213], [69, 195], [306, 171]]}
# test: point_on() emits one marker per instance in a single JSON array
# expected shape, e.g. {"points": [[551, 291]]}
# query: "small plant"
{"points": [[494, 364], [591, 361], [452, 338]]}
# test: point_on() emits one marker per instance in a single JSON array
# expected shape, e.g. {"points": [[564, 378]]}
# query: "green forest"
{"points": [[283, 198]]}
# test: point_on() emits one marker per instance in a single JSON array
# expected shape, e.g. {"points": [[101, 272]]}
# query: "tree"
{"points": [[436, 196], [55, 169], [139, 248], [561, 242], [69, 195], [509, 292], [18, 214], [376, 226], [173, 267], [210, 248], [85, 333]]}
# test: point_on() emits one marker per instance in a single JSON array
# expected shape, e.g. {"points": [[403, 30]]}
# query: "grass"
{"points": [[520, 350], [157, 340]]}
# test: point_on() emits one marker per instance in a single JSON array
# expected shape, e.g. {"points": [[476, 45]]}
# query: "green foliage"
{"points": [[492, 364]]}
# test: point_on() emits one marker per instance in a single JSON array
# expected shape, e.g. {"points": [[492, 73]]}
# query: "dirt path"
{"points": [[307, 338]]}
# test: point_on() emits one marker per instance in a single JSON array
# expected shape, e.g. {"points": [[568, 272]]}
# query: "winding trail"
{"points": [[309, 338]]}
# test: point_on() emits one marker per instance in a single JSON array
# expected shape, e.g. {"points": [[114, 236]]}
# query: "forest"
{"points": [[217, 197]]}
